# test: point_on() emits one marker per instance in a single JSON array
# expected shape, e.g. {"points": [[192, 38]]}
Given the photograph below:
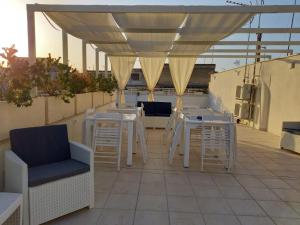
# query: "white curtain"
{"points": [[121, 68], [152, 68], [181, 70]]}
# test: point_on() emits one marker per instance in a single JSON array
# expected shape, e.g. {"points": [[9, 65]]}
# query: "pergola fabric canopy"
{"points": [[121, 69], [150, 34]]}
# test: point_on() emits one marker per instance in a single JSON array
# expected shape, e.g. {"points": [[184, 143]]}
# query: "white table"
{"points": [[194, 123], [10, 208], [128, 121]]}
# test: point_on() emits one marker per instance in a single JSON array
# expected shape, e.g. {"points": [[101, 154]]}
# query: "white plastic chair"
{"points": [[176, 136], [169, 129], [108, 134], [90, 112], [216, 141], [141, 136]]}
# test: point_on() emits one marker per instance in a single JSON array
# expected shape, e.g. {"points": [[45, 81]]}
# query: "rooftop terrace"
{"points": [[263, 188]]}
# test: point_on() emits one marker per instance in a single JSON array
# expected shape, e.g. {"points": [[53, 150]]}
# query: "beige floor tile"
{"points": [[151, 218], [152, 202], [116, 217], [85, 216], [225, 180], [152, 177], [182, 204], [122, 187], [275, 183], [129, 176], [255, 220], [214, 206], [286, 221], [287, 194], [234, 192], [215, 219], [179, 218], [245, 207], [117, 201], [250, 181], [278, 209], [100, 199], [179, 189], [175, 178], [155, 188], [201, 179], [262, 194], [295, 206], [207, 191]]}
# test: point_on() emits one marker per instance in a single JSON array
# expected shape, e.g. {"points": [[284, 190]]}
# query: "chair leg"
{"points": [[119, 158]]}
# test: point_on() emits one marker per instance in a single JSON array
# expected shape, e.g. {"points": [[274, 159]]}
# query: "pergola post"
{"points": [[97, 61], [65, 47], [31, 35], [106, 65], [83, 56]]}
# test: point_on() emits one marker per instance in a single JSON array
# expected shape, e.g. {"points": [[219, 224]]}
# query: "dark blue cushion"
{"points": [[46, 173], [41, 145]]}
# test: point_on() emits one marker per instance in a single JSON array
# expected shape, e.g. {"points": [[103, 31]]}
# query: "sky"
{"points": [[48, 40]]}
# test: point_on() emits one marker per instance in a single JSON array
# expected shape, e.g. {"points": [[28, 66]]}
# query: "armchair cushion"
{"points": [[38, 146], [46, 173]]}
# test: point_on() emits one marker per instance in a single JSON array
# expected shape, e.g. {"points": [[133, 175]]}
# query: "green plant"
{"points": [[53, 78], [15, 79], [108, 84]]}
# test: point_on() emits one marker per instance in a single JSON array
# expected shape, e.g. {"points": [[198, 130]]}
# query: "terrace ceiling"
{"points": [[150, 34]]}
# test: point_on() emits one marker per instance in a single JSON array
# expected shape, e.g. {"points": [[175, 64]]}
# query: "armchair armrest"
{"points": [[81, 153], [85, 154], [16, 173]]}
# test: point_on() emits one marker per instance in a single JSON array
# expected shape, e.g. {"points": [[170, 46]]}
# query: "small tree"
{"points": [[16, 82]]}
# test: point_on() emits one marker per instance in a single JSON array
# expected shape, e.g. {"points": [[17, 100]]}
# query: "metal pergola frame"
{"points": [[32, 8]]}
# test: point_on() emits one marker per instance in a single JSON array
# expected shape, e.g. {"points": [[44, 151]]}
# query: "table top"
{"points": [[125, 117], [9, 202]]}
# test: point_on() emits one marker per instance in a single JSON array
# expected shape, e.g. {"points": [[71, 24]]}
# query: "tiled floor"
{"points": [[263, 188]]}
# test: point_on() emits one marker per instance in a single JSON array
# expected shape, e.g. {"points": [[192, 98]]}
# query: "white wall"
{"points": [[277, 98]]}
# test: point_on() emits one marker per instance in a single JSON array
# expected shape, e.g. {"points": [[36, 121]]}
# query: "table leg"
{"points": [[186, 157], [129, 140]]}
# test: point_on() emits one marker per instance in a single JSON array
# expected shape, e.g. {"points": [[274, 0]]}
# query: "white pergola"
{"points": [[176, 29], [154, 33]]}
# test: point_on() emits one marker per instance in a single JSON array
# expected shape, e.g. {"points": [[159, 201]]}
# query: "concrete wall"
{"points": [[47, 110], [277, 97]]}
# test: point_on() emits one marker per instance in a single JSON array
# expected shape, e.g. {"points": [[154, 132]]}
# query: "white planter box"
{"points": [[83, 102], [12, 117], [58, 109], [98, 99], [107, 98]]}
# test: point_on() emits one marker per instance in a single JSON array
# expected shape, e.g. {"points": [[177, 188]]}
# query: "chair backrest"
{"points": [[212, 117], [108, 115], [107, 132], [90, 112], [41, 145]]}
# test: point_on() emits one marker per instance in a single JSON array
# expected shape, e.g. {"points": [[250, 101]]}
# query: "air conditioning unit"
{"points": [[243, 92], [238, 91], [241, 110]]}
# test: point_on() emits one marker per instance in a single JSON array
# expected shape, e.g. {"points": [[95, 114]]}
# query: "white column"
{"points": [[106, 65], [97, 61], [31, 35], [65, 47], [83, 56]]}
